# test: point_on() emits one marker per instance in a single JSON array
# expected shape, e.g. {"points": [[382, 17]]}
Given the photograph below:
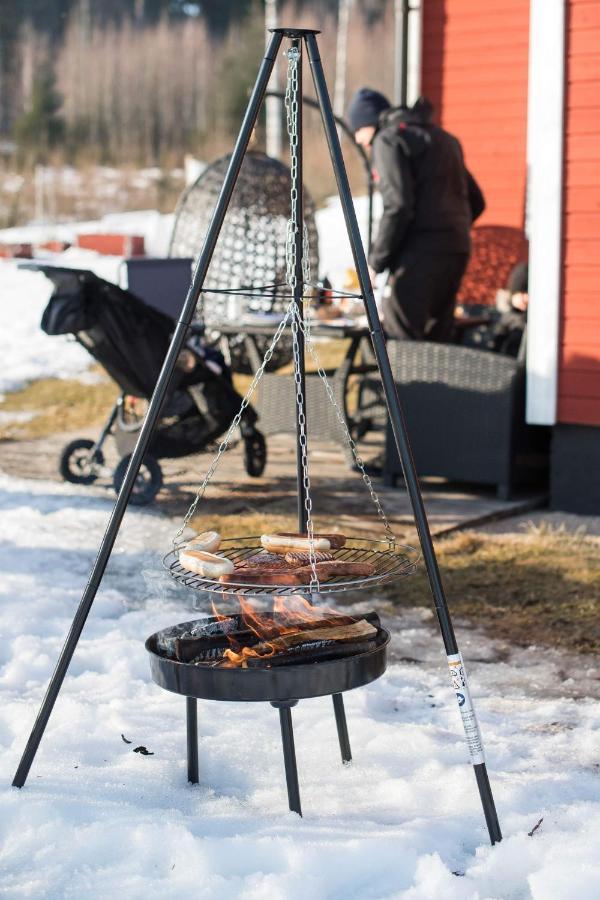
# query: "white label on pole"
{"points": [[463, 697]]}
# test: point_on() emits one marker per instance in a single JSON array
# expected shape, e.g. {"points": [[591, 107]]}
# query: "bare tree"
{"points": [[273, 106], [339, 90]]}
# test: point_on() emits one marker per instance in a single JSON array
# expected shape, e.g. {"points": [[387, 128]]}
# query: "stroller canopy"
{"points": [[128, 338]]}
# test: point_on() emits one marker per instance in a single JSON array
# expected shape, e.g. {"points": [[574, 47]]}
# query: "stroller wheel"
{"points": [[255, 454], [147, 484], [77, 465]]}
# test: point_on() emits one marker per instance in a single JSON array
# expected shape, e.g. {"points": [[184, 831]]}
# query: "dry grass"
{"points": [[68, 404], [58, 405], [247, 525], [541, 588]]}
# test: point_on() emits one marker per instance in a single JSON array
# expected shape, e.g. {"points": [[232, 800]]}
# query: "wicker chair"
{"points": [[495, 250], [250, 252], [276, 405], [465, 411]]}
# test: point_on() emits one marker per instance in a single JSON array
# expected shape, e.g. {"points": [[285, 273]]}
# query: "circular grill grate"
{"points": [[390, 562]]}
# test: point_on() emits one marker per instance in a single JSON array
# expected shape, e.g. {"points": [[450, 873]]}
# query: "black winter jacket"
{"points": [[428, 194]]}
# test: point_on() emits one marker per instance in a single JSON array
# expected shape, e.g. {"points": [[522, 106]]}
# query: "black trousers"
{"points": [[423, 295]]}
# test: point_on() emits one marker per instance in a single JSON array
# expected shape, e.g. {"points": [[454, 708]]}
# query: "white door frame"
{"points": [[545, 140]]}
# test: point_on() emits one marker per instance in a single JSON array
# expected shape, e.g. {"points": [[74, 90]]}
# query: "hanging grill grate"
{"points": [[390, 562]]}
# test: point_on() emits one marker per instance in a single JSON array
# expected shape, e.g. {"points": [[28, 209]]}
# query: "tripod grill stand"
{"points": [[300, 39]]}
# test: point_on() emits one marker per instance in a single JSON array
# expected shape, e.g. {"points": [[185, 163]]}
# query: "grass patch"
{"points": [[63, 405], [58, 405], [536, 588], [247, 525]]}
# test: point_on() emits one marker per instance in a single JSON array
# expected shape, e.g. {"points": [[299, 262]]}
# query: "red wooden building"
{"points": [[519, 82]]}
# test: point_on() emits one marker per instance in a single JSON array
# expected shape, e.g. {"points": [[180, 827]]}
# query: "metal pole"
{"points": [[154, 408], [191, 709], [289, 754], [342, 727], [401, 13], [298, 224], [399, 430]]}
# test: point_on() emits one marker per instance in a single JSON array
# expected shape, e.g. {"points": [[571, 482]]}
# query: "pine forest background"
{"points": [[89, 88]]}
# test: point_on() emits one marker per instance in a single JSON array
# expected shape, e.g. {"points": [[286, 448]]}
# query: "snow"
{"points": [[402, 821], [335, 255], [26, 352]]}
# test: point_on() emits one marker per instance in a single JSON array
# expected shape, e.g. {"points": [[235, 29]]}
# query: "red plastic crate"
{"points": [[16, 251], [113, 244]]}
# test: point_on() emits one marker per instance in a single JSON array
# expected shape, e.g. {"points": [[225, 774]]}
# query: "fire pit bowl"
{"points": [[315, 678], [281, 685]]}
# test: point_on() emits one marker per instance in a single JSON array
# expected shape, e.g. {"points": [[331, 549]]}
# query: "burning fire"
{"points": [[274, 631]]}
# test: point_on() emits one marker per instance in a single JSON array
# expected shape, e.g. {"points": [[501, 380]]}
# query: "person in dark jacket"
{"points": [[430, 201]]}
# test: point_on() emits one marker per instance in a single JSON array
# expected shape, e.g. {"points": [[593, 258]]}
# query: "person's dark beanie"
{"points": [[365, 108]]}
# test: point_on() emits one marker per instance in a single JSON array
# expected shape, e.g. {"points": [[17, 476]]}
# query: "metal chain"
{"points": [[306, 277], [291, 106], [314, 582], [305, 255], [235, 424], [344, 426]]}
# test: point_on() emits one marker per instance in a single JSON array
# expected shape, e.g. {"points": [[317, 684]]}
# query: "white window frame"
{"points": [[545, 141]]}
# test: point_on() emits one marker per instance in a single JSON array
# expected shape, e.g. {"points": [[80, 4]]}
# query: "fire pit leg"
{"points": [[342, 727], [192, 739], [289, 753]]}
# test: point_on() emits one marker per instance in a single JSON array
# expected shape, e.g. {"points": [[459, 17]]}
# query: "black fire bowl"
{"points": [[282, 686], [278, 683]]}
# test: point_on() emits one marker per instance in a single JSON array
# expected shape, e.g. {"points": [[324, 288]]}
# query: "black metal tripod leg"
{"points": [[487, 801], [289, 755], [396, 415], [192, 738], [342, 727], [156, 403]]}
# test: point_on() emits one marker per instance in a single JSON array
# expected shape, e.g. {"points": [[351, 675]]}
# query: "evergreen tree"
{"points": [[41, 127], [9, 30]]}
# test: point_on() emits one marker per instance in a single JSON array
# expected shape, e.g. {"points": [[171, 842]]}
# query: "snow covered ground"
{"points": [[403, 821], [25, 351]]}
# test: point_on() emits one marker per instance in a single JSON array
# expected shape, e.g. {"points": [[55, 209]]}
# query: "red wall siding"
{"points": [[474, 69], [579, 375]]}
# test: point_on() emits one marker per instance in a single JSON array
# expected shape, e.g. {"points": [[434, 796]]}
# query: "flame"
{"points": [[291, 614]]}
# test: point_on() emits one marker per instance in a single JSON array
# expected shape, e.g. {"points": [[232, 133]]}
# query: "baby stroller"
{"points": [[130, 340]]}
